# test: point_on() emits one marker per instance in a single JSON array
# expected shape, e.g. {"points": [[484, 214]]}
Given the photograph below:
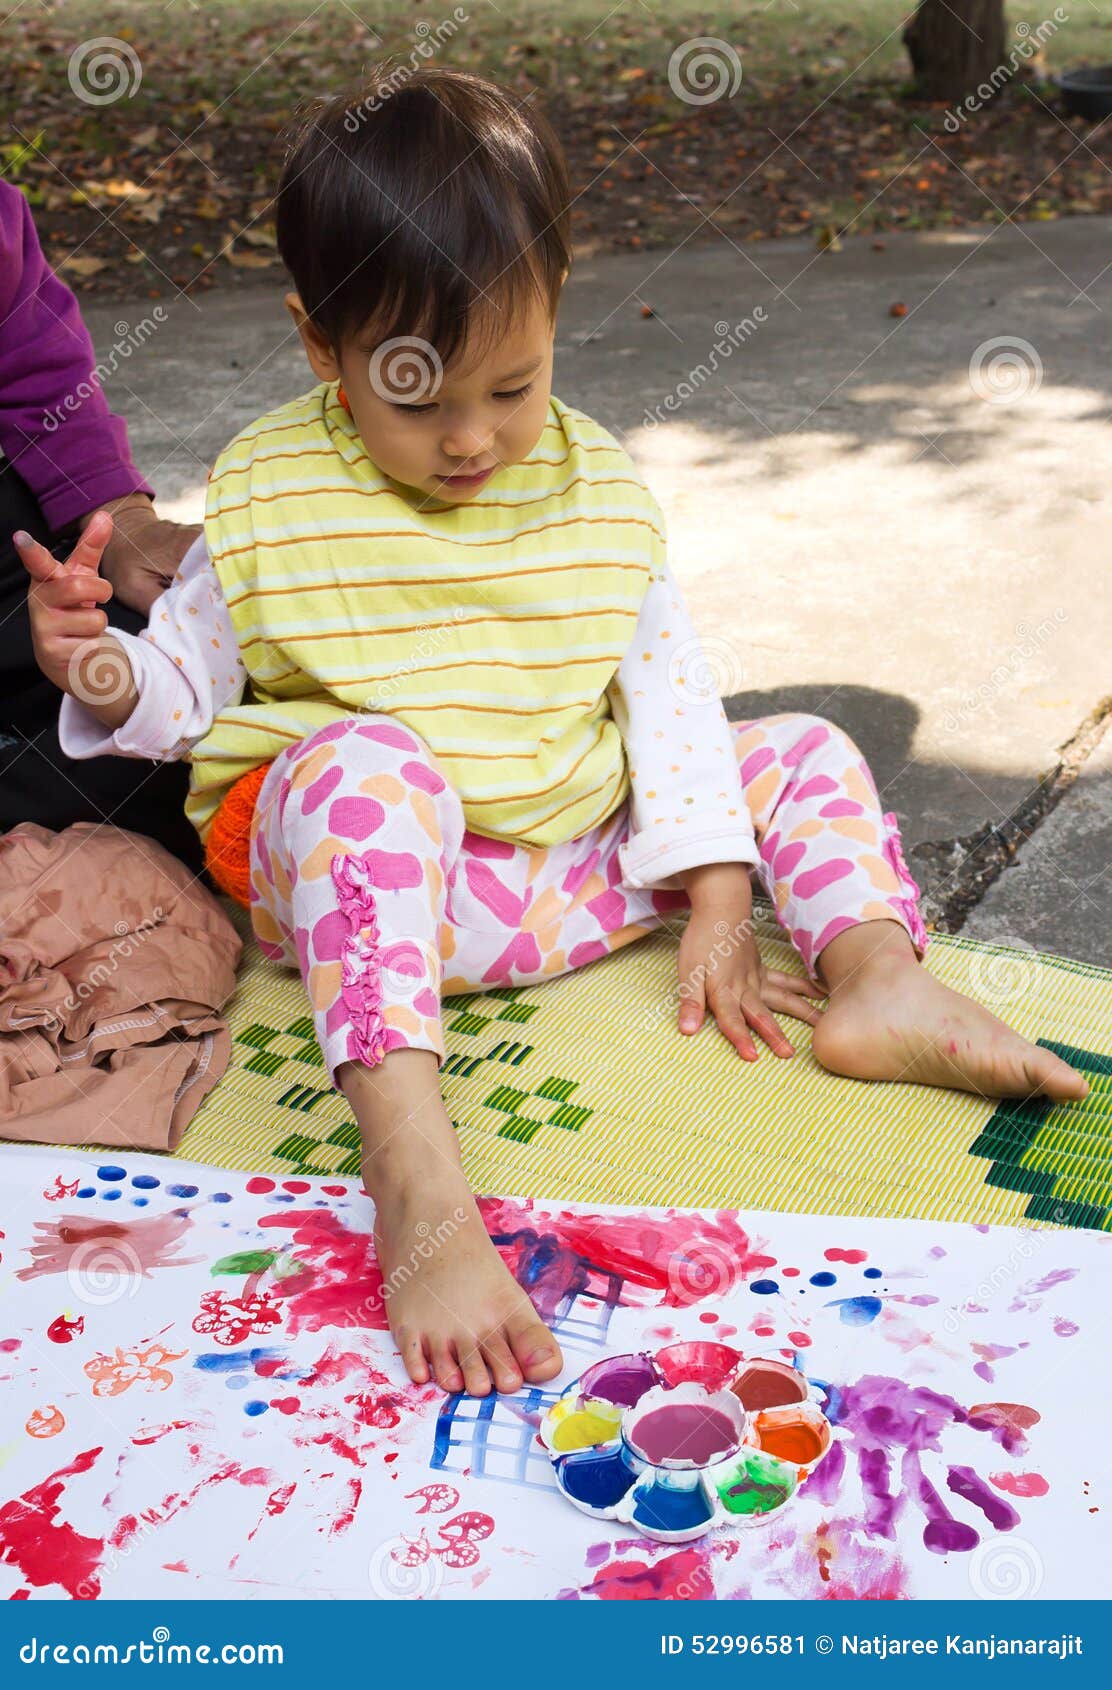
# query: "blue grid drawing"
{"points": [[494, 1438], [582, 1320]]}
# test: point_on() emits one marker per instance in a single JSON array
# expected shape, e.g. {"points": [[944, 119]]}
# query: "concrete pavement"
{"points": [[899, 520]]}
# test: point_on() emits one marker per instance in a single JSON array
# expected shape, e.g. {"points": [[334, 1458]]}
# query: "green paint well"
{"points": [[754, 1484]]}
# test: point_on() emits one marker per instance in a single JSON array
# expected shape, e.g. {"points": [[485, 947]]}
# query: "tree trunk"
{"points": [[955, 45]]}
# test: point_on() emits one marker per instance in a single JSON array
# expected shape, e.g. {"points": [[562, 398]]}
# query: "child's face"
{"points": [[446, 437]]}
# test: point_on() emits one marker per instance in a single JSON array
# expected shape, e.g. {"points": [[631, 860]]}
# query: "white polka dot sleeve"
{"points": [[186, 667], [687, 806]]}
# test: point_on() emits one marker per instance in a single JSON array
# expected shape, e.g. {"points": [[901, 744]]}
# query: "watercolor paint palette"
{"points": [[202, 1398], [692, 1437]]}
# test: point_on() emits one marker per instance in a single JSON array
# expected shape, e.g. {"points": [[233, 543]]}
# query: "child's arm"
{"points": [[184, 668], [687, 807]]}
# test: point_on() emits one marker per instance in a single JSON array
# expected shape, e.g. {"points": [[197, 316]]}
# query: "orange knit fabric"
{"points": [[228, 846]]}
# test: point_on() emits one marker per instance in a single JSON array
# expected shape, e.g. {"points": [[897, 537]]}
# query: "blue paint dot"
{"points": [[145, 1182], [109, 1195], [140, 1202], [255, 1406], [238, 1382], [281, 1197], [182, 1190], [87, 1191], [764, 1287], [824, 1278], [110, 1171], [874, 1273], [221, 1196], [858, 1311]]}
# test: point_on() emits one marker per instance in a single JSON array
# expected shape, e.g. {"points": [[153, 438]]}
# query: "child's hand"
{"points": [[720, 969], [67, 623]]}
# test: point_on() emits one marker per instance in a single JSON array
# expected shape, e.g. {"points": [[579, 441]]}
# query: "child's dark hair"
{"points": [[422, 208]]}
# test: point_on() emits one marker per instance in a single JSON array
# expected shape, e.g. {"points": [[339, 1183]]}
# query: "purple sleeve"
{"points": [[55, 426]]}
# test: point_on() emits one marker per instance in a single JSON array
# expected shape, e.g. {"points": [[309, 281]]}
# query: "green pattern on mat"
{"points": [[582, 1089], [1060, 1156]]}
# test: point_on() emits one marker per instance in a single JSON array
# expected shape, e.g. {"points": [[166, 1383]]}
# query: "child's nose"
{"points": [[467, 440]]}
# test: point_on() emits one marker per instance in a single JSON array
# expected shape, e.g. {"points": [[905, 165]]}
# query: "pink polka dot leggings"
{"points": [[365, 877]]}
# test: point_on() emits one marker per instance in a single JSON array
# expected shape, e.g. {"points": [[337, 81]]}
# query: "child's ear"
{"points": [[318, 348]]}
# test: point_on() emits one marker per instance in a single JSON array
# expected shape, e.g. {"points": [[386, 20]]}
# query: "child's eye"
{"points": [[518, 392], [415, 410]]}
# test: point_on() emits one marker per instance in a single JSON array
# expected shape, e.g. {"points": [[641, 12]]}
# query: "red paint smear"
{"points": [[276, 1503], [392, 1456], [174, 1567], [151, 1434], [1020, 1484], [800, 1340], [708, 1319], [259, 1187], [764, 1331], [48, 1550], [341, 1281], [128, 1525], [347, 1515], [298, 1186], [19, 1596], [851, 1256], [10, 1345], [286, 1405], [790, 1273], [63, 1331], [683, 1577], [685, 1256], [334, 1190]]}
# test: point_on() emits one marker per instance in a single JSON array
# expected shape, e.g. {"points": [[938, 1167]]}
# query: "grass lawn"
{"points": [[168, 185]]}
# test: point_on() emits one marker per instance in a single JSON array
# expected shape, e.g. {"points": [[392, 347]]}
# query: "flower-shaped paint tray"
{"points": [[677, 1443]]}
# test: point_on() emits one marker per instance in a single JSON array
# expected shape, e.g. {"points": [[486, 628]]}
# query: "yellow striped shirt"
{"points": [[492, 629]]}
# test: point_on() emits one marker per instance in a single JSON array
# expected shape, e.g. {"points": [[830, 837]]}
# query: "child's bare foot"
{"points": [[888, 1018], [457, 1314]]}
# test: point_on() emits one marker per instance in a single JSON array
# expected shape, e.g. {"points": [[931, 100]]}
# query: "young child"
{"points": [[429, 664]]}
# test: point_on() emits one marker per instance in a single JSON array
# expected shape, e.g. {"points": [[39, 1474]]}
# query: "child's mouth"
{"points": [[466, 481]]}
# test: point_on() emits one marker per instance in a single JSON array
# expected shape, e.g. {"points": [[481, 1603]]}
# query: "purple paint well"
{"points": [[684, 1431], [620, 1379]]}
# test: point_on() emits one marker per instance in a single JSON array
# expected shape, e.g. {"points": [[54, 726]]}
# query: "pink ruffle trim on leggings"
{"points": [[361, 960], [909, 904]]}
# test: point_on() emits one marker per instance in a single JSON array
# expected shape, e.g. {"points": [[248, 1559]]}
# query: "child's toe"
{"points": [[444, 1367], [412, 1352], [476, 1379], [503, 1368], [536, 1350]]}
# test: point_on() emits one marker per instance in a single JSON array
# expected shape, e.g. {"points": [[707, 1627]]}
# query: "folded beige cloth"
{"points": [[114, 966]]}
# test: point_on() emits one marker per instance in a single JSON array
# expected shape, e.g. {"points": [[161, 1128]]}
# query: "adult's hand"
{"points": [[143, 554]]}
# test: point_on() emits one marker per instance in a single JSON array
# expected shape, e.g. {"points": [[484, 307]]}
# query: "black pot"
{"points": [[1087, 91]]}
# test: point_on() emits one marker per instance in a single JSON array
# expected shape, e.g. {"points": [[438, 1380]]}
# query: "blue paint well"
{"points": [[764, 1287], [874, 1273], [857, 1311], [108, 1195], [670, 1510], [824, 1278], [182, 1190], [255, 1406], [145, 1182], [110, 1171], [87, 1191], [597, 1480]]}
